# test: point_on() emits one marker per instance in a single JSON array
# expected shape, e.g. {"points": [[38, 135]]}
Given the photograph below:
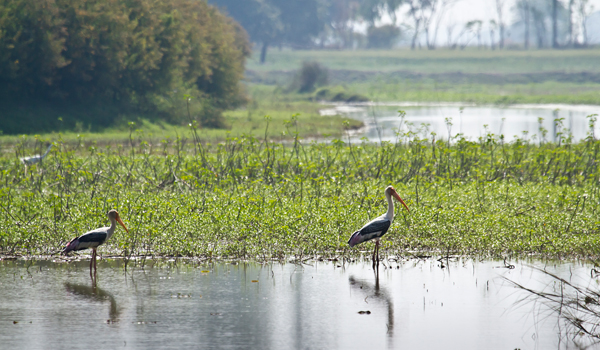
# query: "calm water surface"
{"points": [[416, 304], [471, 121]]}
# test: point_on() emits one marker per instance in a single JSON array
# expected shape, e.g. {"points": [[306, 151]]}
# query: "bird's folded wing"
{"points": [[93, 237], [375, 227]]}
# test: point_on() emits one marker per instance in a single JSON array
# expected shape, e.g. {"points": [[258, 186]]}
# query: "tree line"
{"points": [[334, 23], [140, 54]]}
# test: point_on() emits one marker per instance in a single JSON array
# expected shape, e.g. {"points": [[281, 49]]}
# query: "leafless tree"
{"points": [[477, 26], [524, 8], [443, 6], [415, 12], [584, 10], [449, 31], [472, 27], [571, 41], [539, 21], [426, 16], [493, 25], [501, 26], [554, 24]]}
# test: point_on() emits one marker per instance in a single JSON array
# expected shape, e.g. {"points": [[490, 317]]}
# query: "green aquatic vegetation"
{"points": [[252, 198]]}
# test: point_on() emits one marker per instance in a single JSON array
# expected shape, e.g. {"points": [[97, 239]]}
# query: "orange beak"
{"points": [[395, 194], [125, 227]]}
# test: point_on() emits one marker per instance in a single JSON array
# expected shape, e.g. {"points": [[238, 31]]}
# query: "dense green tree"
{"points": [[144, 54], [31, 44]]}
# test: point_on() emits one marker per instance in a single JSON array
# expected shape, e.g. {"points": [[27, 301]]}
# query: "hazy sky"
{"points": [[466, 10]]}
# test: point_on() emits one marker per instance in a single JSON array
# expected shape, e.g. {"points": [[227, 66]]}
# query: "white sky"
{"points": [[467, 10], [464, 11]]}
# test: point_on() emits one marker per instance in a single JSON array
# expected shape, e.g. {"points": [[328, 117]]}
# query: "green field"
{"points": [[437, 61], [480, 76], [251, 198]]}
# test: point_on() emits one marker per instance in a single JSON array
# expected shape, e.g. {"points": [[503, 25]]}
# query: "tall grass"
{"points": [[251, 198]]}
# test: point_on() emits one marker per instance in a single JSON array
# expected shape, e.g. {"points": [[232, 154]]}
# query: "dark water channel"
{"points": [[415, 304]]}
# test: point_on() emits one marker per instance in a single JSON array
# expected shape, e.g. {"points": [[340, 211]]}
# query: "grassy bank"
{"points": [[251, 199], [284, 113]]}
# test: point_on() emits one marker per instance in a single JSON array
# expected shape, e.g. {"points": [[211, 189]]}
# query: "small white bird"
{"points": [[378, 227], [94, 238], [37, 158]]}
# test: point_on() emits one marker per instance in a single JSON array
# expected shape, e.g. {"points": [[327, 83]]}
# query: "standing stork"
{"points": [[379, 226], [37, 158], [94, 238]]}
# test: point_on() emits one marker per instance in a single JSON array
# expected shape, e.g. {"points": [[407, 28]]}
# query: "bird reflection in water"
{"points": [[95, 293], [375, 292]]}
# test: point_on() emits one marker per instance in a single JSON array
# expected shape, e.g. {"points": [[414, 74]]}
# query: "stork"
{"points": [[379, 226], [94, 238], [37, 158]]}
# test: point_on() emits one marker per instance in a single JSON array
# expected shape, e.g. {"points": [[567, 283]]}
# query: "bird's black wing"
{"points": [[375, 228], [93, 237]]}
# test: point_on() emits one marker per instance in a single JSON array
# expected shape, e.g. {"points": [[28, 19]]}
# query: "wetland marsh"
{"points": [[252, 198]]}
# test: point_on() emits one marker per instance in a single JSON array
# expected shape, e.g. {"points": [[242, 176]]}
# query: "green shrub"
{"points": [[311, 75], [382, 37]]}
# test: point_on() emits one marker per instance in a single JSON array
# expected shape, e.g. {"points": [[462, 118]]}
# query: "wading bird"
{"points": [[377, 227], [37, 158], [94, 238]]}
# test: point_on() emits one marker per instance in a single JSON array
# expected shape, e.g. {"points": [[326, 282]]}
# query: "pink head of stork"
{"points": [[379, 226], [94, 238]]}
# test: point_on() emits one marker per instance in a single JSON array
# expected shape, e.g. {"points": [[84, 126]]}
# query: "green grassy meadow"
{"points": [[476, 76], [252, 198], [437, 61]]}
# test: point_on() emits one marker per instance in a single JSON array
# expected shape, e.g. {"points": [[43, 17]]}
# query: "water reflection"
{"points": [[275, 306], [97, 294], [576, 304], [448, 120], [372, 291]]}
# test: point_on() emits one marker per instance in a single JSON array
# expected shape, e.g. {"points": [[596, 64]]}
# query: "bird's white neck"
{"points": [[47, 150], [111, 230], [390, 211]]}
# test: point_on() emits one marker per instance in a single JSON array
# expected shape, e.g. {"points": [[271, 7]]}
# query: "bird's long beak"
{"points": [[395, 194], [125, 227]]}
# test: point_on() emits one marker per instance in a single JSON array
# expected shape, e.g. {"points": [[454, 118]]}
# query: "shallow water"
{"points": [[415, 304], [471, 121]]}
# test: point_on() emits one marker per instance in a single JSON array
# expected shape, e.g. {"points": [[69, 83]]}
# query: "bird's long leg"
{"points": [[373, 257], [91, 263], [95, 256], [377, 247]]}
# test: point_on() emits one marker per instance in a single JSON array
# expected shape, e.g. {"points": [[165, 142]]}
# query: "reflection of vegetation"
{"points": [[95, 293], [577, 306]]}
